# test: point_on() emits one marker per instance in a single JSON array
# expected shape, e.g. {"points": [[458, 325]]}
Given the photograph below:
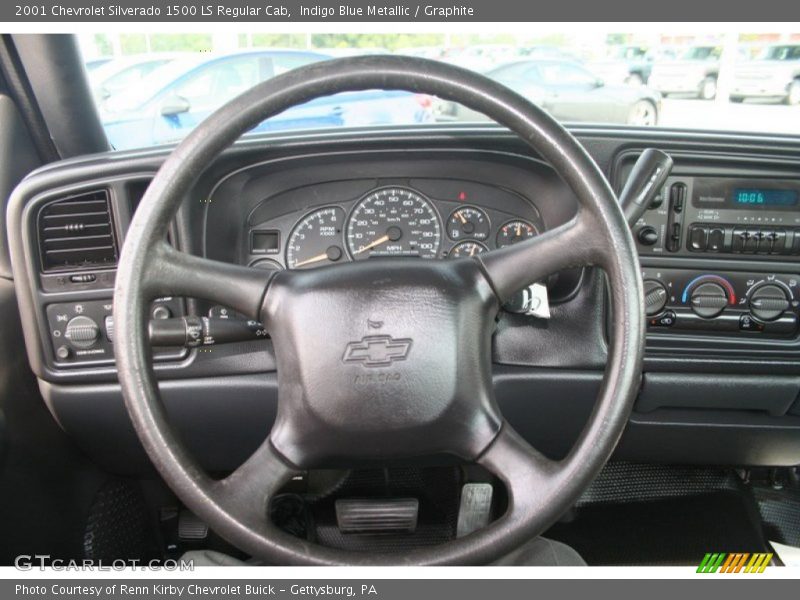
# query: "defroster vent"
{"points": [[77, 232]]}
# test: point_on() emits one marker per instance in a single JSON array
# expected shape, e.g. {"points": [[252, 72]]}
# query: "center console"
{"points": [[720, 253]]}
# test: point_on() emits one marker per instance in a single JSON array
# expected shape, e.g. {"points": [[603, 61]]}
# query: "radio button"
{"points": [[698, 238], [753, 240], [716, 240], [777, 241], [765, 241], [748, 323], [795, 247], [740, 239]]}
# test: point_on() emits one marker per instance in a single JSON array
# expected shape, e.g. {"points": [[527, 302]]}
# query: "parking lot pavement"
{"points": [[749, 116]]}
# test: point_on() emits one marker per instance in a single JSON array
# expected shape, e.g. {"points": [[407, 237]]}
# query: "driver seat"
{"points": [[539, 552]]}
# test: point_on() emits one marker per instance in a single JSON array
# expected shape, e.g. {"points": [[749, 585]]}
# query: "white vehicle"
{"points": [[774, 75], [694, 73]]}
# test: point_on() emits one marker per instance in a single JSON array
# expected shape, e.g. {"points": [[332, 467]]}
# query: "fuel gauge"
{"points": [[515, 231], [468, 222]]}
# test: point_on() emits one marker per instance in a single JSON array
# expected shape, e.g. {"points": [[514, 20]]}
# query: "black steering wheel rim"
{"points": [[540, 489]]}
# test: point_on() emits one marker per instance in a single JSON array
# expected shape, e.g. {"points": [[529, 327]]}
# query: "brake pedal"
{"points": [[475, 507]]}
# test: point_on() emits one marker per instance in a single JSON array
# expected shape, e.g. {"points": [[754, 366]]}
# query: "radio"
{"points": [[723, 215], [753, 304]]}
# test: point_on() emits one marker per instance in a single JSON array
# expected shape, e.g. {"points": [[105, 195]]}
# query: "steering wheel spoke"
{"points": [[170, 272], [528, 474], [574, 244], [248, 489]]}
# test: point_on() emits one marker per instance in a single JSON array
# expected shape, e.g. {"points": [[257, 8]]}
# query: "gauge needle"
{"points": [[378, 242], [313, 259], [519, 229], [462, 217]]}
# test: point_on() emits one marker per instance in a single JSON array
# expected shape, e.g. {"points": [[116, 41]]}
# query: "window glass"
{"points": [[152, 88]]}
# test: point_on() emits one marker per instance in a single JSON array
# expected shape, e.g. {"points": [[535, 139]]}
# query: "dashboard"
{"points": [[719, 250], [425, 218]]}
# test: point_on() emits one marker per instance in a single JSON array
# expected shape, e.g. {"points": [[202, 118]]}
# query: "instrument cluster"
{"points": [[446, 221]]}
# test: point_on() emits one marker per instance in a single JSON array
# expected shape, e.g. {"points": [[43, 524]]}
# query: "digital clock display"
{"points": [[764, 197]]}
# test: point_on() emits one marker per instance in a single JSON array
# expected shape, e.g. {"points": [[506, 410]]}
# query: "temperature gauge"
{"points": [[466, 249], [515, 231], [468, 222]]}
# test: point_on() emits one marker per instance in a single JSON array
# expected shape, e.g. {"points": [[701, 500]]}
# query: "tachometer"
{"points": [[316, 240], [394, 221]]}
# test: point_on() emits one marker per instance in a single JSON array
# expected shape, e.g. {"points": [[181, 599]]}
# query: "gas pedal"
{"points": [[377, 516]]}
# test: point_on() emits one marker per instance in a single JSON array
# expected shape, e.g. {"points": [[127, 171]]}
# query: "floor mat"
{"points": [[118, 526], [780, 510], [635, 482], [672, 531]]}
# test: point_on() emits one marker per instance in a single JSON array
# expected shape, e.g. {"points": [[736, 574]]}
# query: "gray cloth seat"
{"points": [[539, 552]]}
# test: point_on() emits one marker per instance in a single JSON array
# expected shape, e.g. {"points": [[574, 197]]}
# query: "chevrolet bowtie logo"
{"points": [[377, 350]]}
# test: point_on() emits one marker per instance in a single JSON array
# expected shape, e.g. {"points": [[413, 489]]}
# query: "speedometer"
{"points": [[394, 221]]}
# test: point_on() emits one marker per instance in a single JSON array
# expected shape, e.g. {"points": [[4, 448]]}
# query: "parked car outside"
{"points": [[94, 63], [569, 92], [543, 51], [630, 64], [481, 57], [432, 52], [694, 73], [123, 73], [774, 75], [173, 99]]}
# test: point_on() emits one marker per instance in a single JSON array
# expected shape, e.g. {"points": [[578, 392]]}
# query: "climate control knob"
{"points": [[655, 297], [708, 299], [82, 332], [768, 302]]}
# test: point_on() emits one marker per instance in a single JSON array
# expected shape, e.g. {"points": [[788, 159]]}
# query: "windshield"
{"points": [[702, 53], [154, 88], [782, 53]]}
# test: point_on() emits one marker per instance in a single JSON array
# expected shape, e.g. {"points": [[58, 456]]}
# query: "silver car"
{"points": [[774, 75], [570, 92], [695, 73]]}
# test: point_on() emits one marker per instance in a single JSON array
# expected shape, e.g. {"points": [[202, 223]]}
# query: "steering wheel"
{"points": [[427, 388]]}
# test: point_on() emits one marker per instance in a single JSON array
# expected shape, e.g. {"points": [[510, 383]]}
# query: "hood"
{"points": [[675, 67], [630, 94], [764, 69], [616, 69]]}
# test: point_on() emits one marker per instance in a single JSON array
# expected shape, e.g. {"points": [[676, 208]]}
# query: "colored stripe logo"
{"points": [[737, 562]]}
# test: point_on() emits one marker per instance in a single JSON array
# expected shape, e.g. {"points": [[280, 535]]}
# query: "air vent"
{"points": [[77, 233]]}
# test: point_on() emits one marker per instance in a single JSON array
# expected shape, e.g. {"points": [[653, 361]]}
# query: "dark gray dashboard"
{"points": [[712, 392]]}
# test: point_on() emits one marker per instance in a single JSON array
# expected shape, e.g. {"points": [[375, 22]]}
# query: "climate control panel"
{"points": [[742, 303]]}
